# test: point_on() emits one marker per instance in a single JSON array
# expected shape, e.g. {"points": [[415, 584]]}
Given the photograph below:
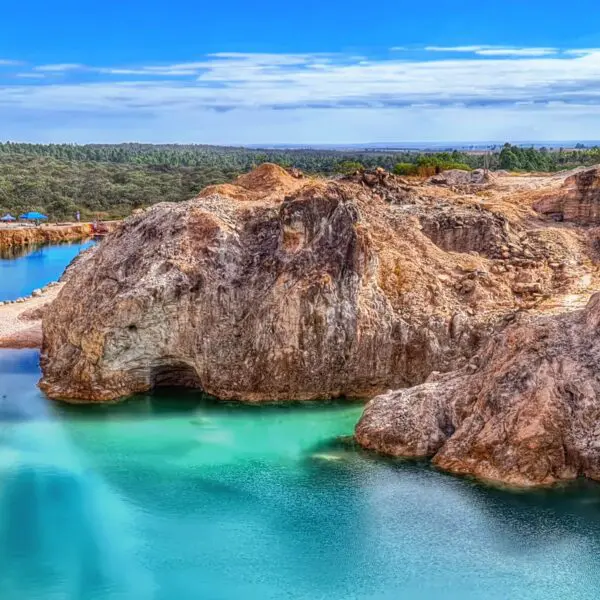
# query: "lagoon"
{"points": [[172, 495], [24, 269]]}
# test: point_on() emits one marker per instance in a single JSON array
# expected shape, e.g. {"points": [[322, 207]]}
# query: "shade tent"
{"points": [[33, 216], [7, 218]]}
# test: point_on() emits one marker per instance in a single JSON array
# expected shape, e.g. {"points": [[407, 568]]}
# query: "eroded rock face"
{"points": [[282, 287], [526, 411], [578, 201], [458, 177], [15, 237], [276, 287], [457, 230]]}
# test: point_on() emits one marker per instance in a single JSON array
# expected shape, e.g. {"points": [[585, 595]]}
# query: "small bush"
{"points": [[405, 169], [350, 166]]}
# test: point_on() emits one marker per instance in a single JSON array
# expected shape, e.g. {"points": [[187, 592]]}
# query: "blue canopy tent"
{"points": [[32, 216], [7, 218]]}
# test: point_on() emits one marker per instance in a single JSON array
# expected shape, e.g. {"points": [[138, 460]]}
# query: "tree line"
{"points": [[110, 181]]}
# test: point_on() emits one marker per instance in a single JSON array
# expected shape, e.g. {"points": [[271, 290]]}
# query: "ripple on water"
{"points": [[175, 496]]}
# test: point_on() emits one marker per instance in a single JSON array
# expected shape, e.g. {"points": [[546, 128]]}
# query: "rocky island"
{"points": [[285, 287]]}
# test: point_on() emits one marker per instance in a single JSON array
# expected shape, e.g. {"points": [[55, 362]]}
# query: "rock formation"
{"points": [[577, 201], [15, 237], [525, 411], [458, 177], [283, 287], [21, 320]]}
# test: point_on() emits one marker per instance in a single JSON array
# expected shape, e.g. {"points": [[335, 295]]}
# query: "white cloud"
{"points": [[519, 85], [152, 71], [30, 75], [494, 50], [517, 51], [455, 48], [235, 80], [5, 62], [59, 68], [272, 59], [582, 51]]}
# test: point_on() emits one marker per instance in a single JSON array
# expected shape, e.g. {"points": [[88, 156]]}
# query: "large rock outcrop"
{"points": [[525, 412], [275, 287], [577, 201], [283, 287]]}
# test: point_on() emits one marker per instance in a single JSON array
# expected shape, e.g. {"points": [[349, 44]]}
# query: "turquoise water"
{"points": [[28, 268], [174, 497]]}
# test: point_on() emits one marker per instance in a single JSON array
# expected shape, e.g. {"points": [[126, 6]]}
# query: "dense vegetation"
{"points": [[515, 158], [111, 180], [60, 188]]}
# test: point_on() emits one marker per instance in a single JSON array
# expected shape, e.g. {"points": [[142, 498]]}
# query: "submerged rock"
{"points": [[525, 412]]}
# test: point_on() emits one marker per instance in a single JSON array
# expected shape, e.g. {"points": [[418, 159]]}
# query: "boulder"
{"points": [[459, 177], [285, 287], [33, 314]]}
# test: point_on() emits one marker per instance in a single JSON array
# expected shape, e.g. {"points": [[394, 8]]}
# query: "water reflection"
{"points": [[175, 496], [26, 268], [14, 252]]}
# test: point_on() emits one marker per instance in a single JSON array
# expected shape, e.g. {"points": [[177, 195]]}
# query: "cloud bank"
{"points": [[519, 88]]}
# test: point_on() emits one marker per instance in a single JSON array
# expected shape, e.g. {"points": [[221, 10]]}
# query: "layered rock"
{"points": [[276, 287], [577, 201], [15, 237], [459, 177], [284, 287], [525, 411]]}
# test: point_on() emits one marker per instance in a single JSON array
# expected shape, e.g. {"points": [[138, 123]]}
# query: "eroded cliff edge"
{"points": [[283, 287], [15, 237], [525, 412]]}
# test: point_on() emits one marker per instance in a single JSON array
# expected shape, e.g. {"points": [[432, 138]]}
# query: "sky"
{"points": [[312, 72]]}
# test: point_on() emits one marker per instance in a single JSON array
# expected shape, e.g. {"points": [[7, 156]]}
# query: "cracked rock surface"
{"points": [[525, 411], [285, 287]]}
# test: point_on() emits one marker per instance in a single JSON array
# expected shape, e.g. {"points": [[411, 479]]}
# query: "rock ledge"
{"points": [[525, 411]]}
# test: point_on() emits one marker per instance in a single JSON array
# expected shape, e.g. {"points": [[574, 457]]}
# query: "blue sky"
{"points": [[311, 72]]}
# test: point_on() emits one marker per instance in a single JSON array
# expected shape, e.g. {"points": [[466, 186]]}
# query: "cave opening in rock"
{"points": [[174, 374]]}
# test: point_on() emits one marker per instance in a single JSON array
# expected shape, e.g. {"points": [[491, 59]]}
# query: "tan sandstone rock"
{"points": [[15, 237], [282, 287], [577, 201], [526, 411]]}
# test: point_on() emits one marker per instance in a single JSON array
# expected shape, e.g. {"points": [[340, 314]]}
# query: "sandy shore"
{"points": [[21, 323]]}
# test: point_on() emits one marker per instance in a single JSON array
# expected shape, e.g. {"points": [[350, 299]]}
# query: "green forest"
{"points": [[109, 181]]}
